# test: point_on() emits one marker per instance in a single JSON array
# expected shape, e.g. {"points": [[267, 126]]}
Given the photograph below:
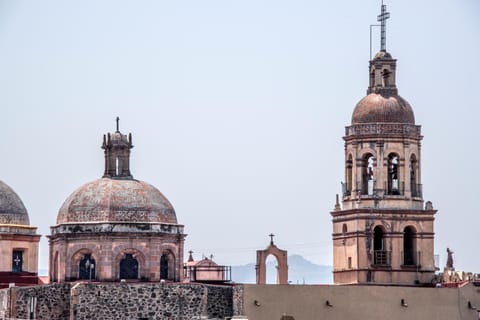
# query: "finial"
{"points": [[190, 257], [271, 235], [118, 120], [382, 18], [337, 203]]}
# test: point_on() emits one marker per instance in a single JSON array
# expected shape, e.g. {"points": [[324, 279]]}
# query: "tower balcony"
{"points": [[367, 189], [382, 258]]}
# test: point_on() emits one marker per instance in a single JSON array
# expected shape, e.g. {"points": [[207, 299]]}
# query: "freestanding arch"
{"points": [[282, 267]]}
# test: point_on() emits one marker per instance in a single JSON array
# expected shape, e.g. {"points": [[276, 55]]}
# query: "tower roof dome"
{"points": [[12, 209], [117, 197], [376, 107], [117, 200]]}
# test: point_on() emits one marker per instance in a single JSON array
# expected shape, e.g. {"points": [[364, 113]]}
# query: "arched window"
{"points": [[367, 176], [129, 267], [167, 266], [386, 77], [381, 255], [272, 269], [17, 261], [349, 177], [86, 268], [55, 268], [414, 186], [393, 174], [408, 246]]}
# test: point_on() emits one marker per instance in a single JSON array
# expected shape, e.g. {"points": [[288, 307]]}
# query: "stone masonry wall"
{"points": [[116, 301], [50, 302], [150, 301]]}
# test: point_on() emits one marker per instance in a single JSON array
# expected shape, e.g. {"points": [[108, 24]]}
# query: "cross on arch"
{"points": [[271, 235]]}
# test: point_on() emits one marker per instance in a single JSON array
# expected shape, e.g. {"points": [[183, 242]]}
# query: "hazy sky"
{"points": [[237, 110]]}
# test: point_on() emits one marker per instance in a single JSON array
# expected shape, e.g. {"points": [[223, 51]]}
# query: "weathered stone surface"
{"points": [[12, 210], [120, 301]]}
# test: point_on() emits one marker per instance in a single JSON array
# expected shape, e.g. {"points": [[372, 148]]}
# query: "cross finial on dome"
{"points": [[382, 18], [118, 125]]}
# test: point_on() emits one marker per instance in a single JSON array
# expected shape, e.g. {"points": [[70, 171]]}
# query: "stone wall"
{"points": [[118, 301], [49, 302]]}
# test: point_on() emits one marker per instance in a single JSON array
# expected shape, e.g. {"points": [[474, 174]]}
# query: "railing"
{"points": [[208, 273], [416, 190], [368, 188], [381, 257], [395, 190], [410, 258]]}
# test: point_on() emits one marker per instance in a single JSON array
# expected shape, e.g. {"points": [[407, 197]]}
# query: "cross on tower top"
{"points": [[118, 127], [382, 18], [271, 235]]}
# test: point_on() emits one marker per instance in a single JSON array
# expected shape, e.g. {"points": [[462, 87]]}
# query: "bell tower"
{"points": [[383, 233], [117, 154]]}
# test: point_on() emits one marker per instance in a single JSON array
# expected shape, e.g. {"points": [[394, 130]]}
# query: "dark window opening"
{"points": [[86, 268], [408, 247], [381, 255], [129, 267], [164, 267], [17, 261]]}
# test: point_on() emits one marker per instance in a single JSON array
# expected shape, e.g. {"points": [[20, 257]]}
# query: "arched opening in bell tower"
{"points": [[349, 175], [414, 186], [409, 246], [272, 269], [393, 184], [380, 254], [368, 176]]}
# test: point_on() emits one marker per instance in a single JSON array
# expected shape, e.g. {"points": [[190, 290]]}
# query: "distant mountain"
{"points": [[300, 271]]}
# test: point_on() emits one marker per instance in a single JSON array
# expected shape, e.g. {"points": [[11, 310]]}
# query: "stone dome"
{"points": [[12, 209], [117, 200], [376, 107]]}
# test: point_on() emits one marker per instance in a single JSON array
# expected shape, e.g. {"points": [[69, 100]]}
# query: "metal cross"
{"points": [[271, 235], [118, 119], [17, 260], [382, 18]]}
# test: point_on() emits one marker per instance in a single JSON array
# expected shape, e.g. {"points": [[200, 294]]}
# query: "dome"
{"points": [[12, 210], [377, 108], [117, 200]]}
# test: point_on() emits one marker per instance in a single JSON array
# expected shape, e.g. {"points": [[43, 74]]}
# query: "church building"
{"points": [[18, 241], [116, 227], [383, 234]]}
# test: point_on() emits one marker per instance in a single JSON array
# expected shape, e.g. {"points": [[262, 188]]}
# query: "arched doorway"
{"points": [[86, 268], [129, 267]]}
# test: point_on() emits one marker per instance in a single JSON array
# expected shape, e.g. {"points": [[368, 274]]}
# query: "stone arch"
{"points": [[77, 262], [349, 175], [409, 252], [393, 185], [55, 267], [130, 253], [381, 256], [167, 265], [367, 169], [282, 267], [415, 187]]}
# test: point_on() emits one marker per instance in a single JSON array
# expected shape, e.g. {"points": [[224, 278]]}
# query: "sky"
{"points": [[237, 110]]}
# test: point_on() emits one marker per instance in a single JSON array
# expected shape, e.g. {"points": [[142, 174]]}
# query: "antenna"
{"points": [[382, 18]]}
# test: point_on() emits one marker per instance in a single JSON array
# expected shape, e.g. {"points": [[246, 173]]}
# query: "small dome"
{"points": [[117, 200], [377, 108], [12, 210]]}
